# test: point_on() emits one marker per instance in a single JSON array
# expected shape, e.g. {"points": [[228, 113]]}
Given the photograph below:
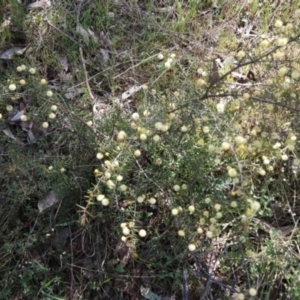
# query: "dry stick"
{"points": [[86, 76]]}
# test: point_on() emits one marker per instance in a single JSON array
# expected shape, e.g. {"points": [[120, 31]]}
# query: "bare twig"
{"points": [[86, 76]]}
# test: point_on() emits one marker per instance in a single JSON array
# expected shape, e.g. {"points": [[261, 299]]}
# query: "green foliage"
{"points": [[149, 149]]}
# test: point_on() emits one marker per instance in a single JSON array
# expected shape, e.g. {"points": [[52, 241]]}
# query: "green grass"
{"points": [[161, 183]]}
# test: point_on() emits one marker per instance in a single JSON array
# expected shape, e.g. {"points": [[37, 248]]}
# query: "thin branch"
{"points": [[86, 76]]}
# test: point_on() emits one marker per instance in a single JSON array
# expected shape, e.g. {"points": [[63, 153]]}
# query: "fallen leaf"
{"points": [[105, 55], [9, 53], [64, 61], [41, 3], [30, 138], [17, 116], [8, 132], [84, 33], [133, 89], [93, 36], [72, 93], [47, 202], [146, 293]]}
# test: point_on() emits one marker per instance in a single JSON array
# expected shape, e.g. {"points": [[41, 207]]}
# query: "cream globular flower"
{"points": [[241, 54], [53, 107], [175, 211], [233, 204], [32, 71], [152, 200], [49, 93], [100, 197], [110, 184], [219, 215], [135, 116], [232, 172], [158, 125], [255, 206], [119, 178], [143, 137], [252, 292], [140, 199], [105, 202], [240, 296], [176, 188], [99, 155], [184, 186], [12, 87], [43, 81], [225, 146], [282, 41], [265, 44], [240, 140], [192, 247], [156, 138], [137, 153], [121, 136], [191, 209], [282, 71], [278, 23], [209, 234], [52, 116], [220, 107], [45, 125], [200, 230], [205, 129], [184, 128], [23, 118], [142, 233], [125, 231], [207, 200], [217, 206], [123, 188], [181, 233], [261, 171], [160, 56], [206, 213]]}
